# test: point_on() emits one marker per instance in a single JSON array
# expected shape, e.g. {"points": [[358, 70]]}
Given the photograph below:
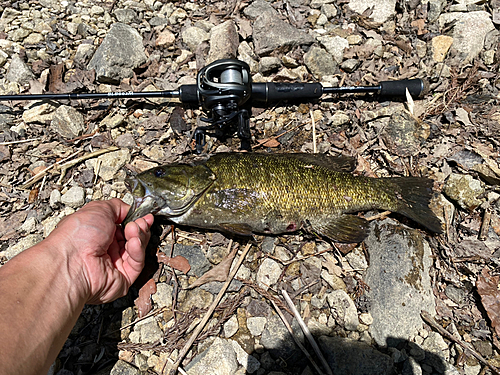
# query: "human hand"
{"points": [[102, 257]]}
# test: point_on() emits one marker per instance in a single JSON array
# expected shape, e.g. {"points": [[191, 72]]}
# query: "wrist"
{"points": [[69, 267]]}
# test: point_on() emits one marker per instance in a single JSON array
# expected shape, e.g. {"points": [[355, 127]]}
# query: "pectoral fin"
{"points": [[237, 228], [344, 228]]}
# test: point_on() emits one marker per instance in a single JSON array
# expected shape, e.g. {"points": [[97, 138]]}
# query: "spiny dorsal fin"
{"points": [[336, 163]]}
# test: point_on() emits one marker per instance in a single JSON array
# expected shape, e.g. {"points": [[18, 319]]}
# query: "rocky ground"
{"points": [[362, 303]]}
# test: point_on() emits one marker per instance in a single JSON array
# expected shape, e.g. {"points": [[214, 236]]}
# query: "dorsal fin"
{"points": [[339, 163]]}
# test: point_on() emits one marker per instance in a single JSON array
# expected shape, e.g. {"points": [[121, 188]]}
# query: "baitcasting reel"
{"points": [[224, 86], [225, 90]]}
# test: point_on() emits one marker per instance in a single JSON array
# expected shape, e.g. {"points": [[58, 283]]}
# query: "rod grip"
{"points": [[273, 92], [188, 94], [397, 89]]}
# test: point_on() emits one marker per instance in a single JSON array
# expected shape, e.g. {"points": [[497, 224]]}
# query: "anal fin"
{"points": [[237, 228], [344, 228]]}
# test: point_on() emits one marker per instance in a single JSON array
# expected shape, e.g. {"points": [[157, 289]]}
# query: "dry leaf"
{"points": [[33, 195], [488, 289], [272, 142], [218, 273], [39, 169], [143, 302], [178, 262]]}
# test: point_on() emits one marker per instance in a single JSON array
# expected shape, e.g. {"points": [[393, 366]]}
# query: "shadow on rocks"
{"points": [[343, 355]]}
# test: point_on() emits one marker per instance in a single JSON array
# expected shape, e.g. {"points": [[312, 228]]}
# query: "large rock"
{"points": [[195, 256], [19, 72], [68, 122], [271, 33], [120, 52], [405, 134], [398, 277], [268, 274], [224, 41], [335, 45], [320, 62], [469, 32], [194, 36]]}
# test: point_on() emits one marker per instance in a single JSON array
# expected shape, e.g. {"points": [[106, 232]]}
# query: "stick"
{"points": [[485, 226], [381, 215], [91, 155], [299, 344], [208, 314], [40, 174], [306, 331], [314, 130], [21, 141], [64, 167], [430, 320]]}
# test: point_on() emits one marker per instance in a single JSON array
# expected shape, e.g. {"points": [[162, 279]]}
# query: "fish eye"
{"points": [[159, 172]]}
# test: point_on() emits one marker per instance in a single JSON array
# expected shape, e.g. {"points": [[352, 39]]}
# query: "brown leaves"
{"points": [[218, 273], [178, 262], [488, 289], [143, 302]]}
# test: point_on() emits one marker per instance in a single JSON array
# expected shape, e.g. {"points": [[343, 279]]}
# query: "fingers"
{"points": [[137, 234], [120, 209]]}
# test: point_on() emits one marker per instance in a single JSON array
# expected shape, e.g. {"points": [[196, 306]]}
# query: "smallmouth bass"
{"points": [[247, 193]]}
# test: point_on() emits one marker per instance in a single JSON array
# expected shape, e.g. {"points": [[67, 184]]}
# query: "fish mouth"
{"points": [[139, 208], [144, 203]]}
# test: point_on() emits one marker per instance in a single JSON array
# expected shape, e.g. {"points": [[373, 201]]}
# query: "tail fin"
{"points": [[415, 195]]}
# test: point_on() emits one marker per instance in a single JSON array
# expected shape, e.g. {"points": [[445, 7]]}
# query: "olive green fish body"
{"points": [[249, 193]]}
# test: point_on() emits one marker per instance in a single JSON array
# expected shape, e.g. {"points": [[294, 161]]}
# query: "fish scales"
{"points": [[292, 186], [248, 193]]}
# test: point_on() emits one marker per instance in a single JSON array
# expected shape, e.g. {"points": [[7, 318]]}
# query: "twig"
{"points": [[485, 226], [305, 287], [381, 215], [306, 331], [178, 368], [97, 169], [288, 262], [40, 174], [58, 166], [21, 141], [314, 131], [299, 344], [182, 235], [430, 320], [208, 314], [264, 293], [91, 155]]}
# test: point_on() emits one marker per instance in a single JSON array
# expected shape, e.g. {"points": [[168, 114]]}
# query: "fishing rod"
{"points": [[225, 90]]}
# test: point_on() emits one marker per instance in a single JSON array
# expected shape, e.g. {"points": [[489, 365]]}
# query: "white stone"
{"points": [[256, 324], [343, 308], [268, 274], [231, 327], [382, 9], [74, 197]]}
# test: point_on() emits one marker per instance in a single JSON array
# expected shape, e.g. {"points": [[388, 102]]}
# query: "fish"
{"points": [[258, 193]]}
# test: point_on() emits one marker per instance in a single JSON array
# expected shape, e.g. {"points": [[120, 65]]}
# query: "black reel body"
{"points": [[224, 86]]}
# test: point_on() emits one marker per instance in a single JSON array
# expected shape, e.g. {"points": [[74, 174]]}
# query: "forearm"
{"points": [[42, 296]]}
